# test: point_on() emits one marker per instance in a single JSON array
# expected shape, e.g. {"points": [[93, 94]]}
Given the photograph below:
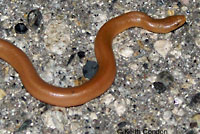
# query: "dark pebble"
{"points": [[193, 124], [89, 109], [134, 106], [20, 28], [179, 4], [34, 18], [122, 124], [160, 87], [70, 59], [195, 99], [90, 69], [145, 65], [81, 54], [23, 98], [166, 78], [165, 75]]}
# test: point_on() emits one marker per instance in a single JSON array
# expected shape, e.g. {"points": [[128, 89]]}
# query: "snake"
{"points": [[105, 75]]}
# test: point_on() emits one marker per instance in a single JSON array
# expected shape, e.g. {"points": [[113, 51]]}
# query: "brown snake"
{"points": [[105, 75]]}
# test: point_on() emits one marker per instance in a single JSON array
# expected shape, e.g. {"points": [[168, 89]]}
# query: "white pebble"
{"points": [[3, 17], [120, 107], [54, 119], [57, 37], [107, 99], [2, 94], [72, 112], [93, 116], [151, 78], [126, 52], [178, 101], [47, 75], [184, 8], [162, 47], [133, 66], [167, 115]]}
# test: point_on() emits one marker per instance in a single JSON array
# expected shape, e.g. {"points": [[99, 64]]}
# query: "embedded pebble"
{"points": [[122, 124], [170, 12], [126, 52], [178, 101], [133, 66], [20, 28], [107, 99], [160, 87], [2, 94], [151, 78], [145, 65], [167, 115], [163, 47], [4, 18], [48, 74], [195, 99], [74, 112], [166, 78], [120, 107], [34, 18], [93, 116], [90, 69], [71, 58], [54, 119], [57, 36], [81, 54], [184, 8]]}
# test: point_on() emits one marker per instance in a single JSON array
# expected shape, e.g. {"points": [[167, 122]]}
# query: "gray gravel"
{"points": [[157, 86]]}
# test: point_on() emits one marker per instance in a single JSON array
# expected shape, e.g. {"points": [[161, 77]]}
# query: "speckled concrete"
{"points": [[157, 88]]}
